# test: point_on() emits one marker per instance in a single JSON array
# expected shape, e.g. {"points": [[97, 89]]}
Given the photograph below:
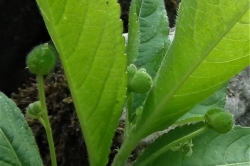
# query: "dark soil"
{"points": [[21, 31]]}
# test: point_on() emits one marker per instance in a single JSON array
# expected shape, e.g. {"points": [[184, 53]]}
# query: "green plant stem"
{"points": [[127, 146], [128, 113], [46, 120], [174, 143], [41, 121]]}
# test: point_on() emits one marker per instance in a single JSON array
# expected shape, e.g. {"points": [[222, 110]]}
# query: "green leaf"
{"points": [[211, 148], [147, 159], [217, 99], [209, 48], [88, 37], [154, 41], [133, 35], [17, 143], [154, 30]]}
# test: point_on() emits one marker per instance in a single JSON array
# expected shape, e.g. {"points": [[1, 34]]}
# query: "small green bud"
{"points": [[41, 59], [138, 111], [186, 149], [34, 110], [219, 120], [136, 115], [141, 82]]}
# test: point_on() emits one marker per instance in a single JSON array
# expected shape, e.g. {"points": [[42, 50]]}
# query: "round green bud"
{"points": [[34, 110], [138, 111], [141, 82], [219, 120], [187, 150], [41, 59]]}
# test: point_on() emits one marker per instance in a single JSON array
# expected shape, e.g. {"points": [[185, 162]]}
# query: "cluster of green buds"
{"points": [[40, 61], [139, 80]]}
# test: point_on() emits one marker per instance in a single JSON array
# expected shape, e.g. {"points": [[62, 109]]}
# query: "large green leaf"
{"points": [[17, 143], [209, 149], [211, 45], [88, 37]]}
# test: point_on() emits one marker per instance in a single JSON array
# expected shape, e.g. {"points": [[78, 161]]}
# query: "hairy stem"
{"points": [[124, 152], [41, 121], [46, 120], [129, 110]]}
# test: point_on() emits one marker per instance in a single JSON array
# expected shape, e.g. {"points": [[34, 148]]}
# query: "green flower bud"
{"points": [[138, 111], [141, 82], [186, 149], [219, 120], [34, 110], [136, 115], [41, 59]]}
